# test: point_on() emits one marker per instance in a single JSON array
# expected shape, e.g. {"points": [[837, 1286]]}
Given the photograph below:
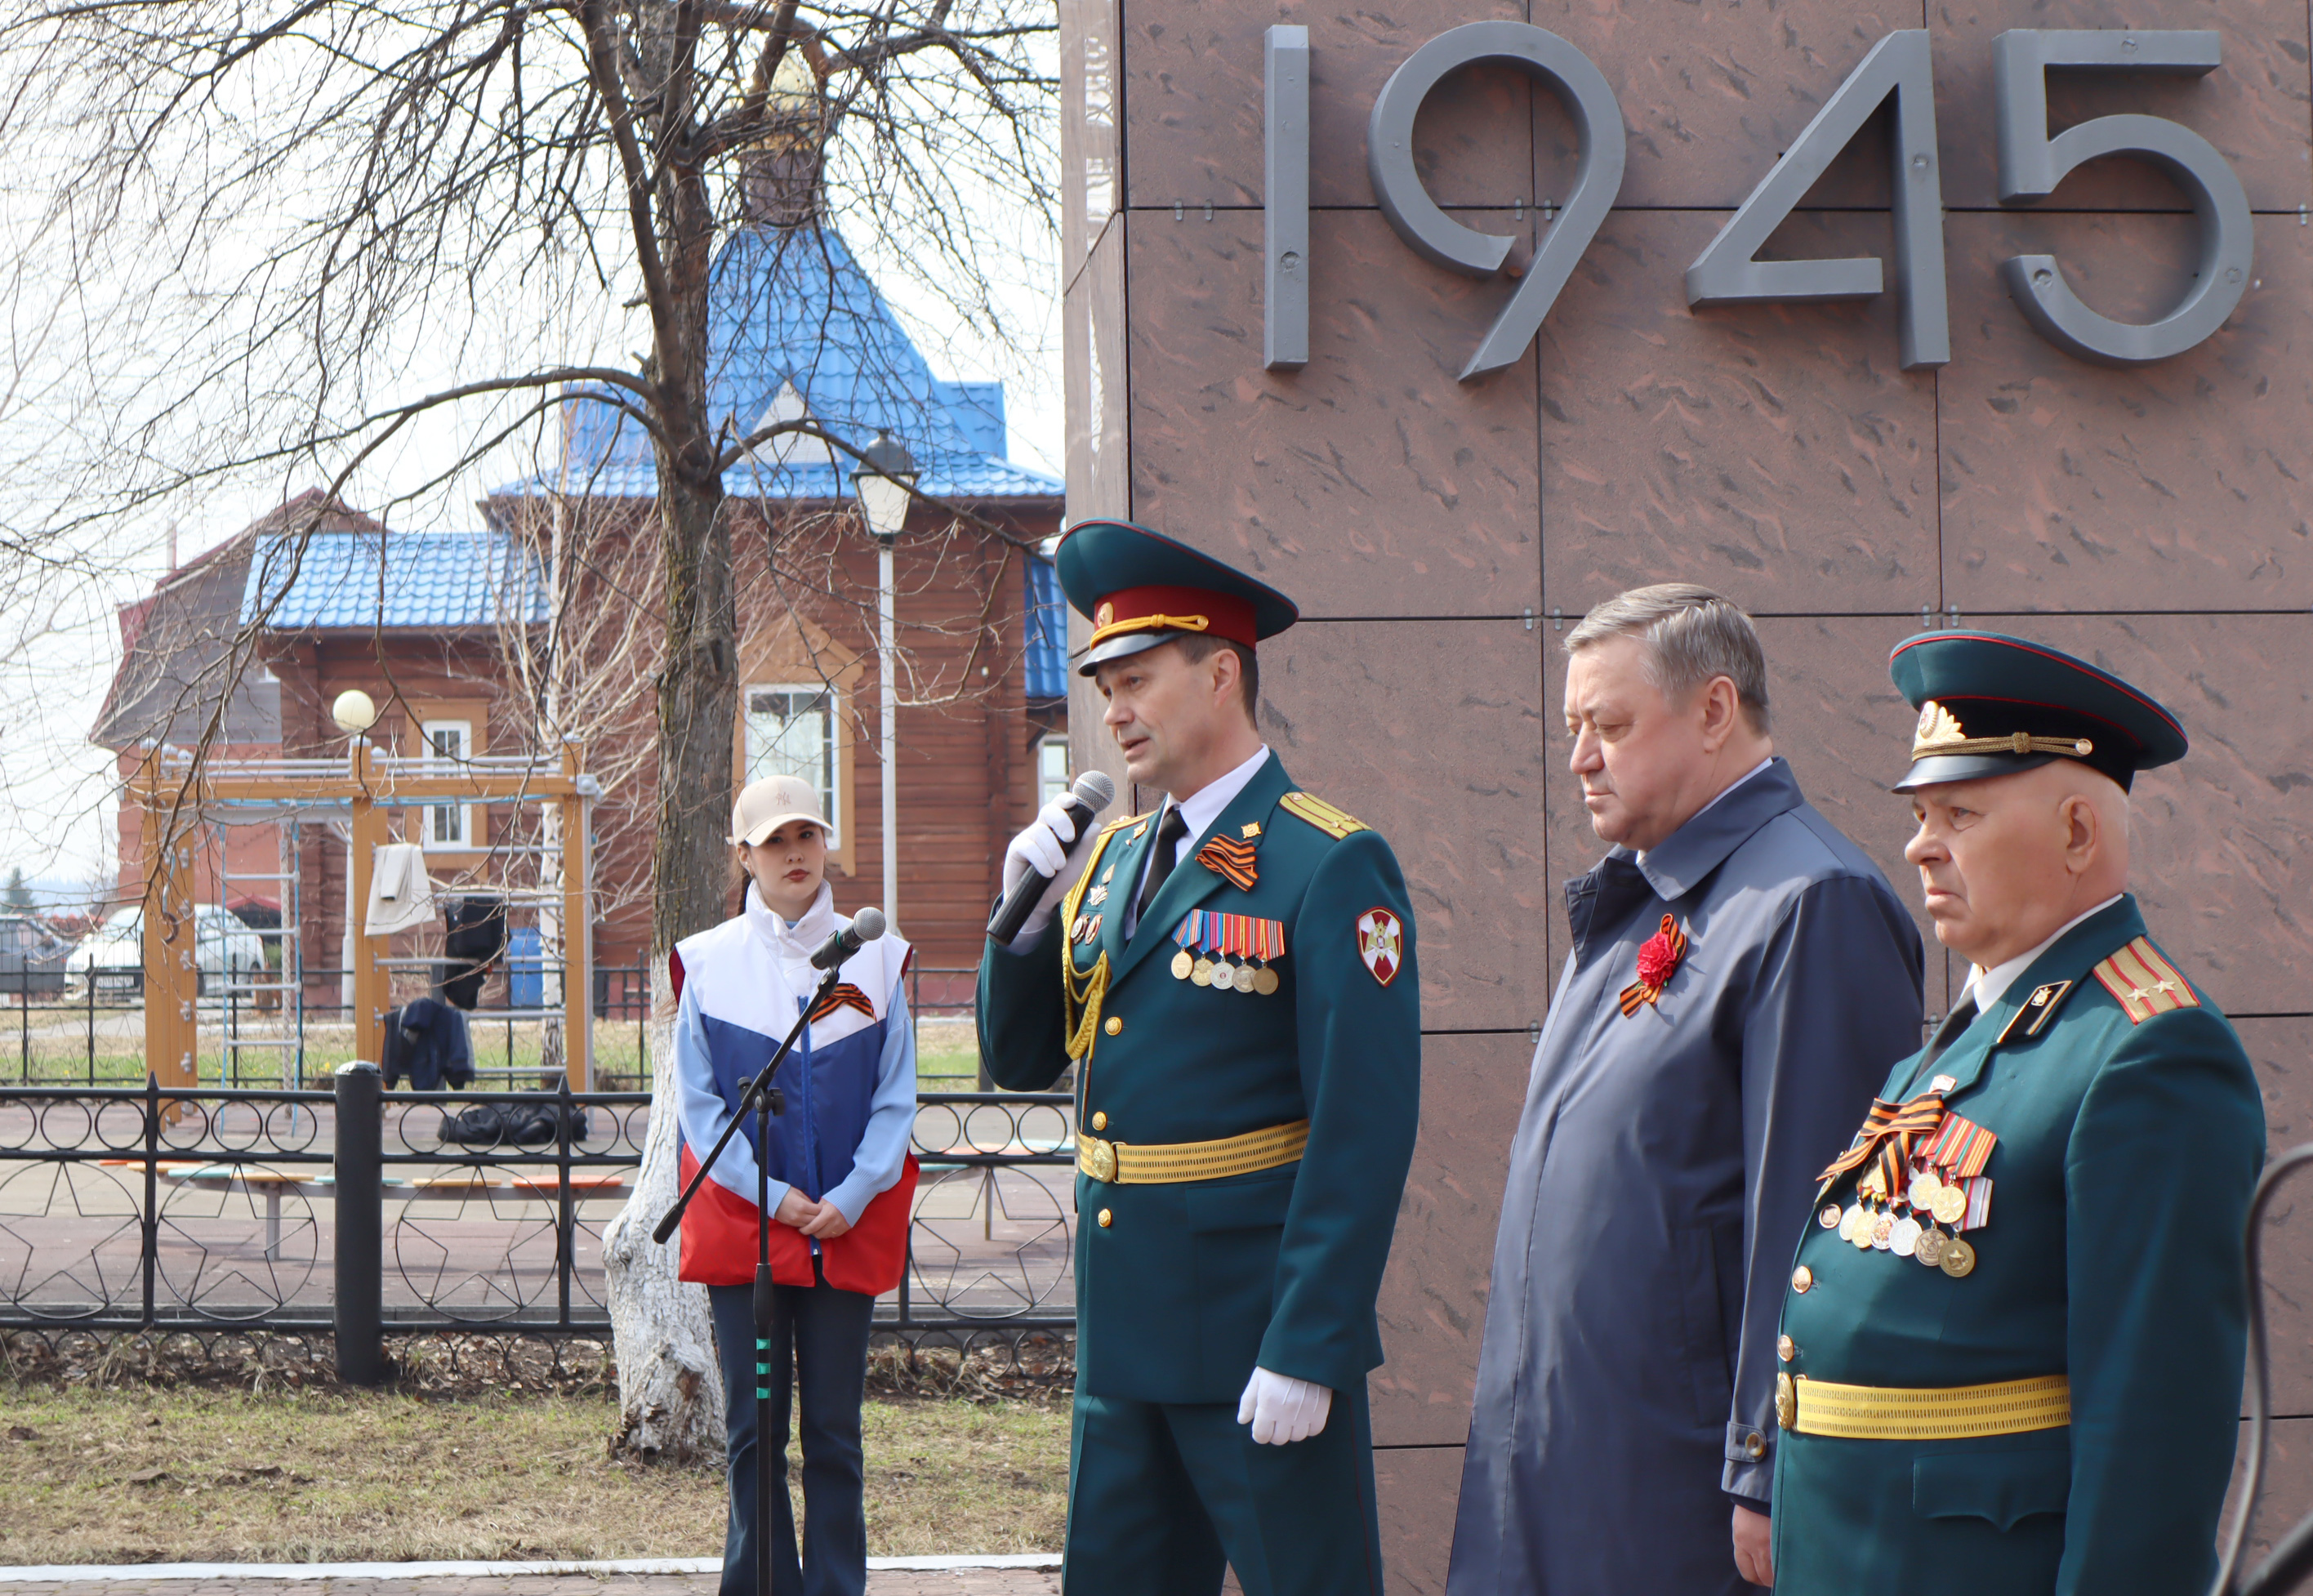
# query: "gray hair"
{"points": [[1690, 636]]}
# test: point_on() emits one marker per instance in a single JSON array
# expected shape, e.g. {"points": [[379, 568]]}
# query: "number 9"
{"points": [[2032, 164]]}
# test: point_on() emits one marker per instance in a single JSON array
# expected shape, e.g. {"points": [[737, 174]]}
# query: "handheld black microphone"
{"points": [[865, 928], [1094, 791]]}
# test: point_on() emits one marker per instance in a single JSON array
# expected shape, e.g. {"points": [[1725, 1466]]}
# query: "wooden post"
{"points": [[170, 943], [577, 934], [372, 991]]}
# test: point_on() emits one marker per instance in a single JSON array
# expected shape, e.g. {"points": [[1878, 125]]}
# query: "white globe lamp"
{"points": [[354, 711]]}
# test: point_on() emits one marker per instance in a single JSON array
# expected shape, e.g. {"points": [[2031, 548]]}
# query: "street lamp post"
{"points": [[884, 481]]}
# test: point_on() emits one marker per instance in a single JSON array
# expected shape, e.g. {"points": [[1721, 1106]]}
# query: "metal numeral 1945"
{"points": [[1899, 66]]}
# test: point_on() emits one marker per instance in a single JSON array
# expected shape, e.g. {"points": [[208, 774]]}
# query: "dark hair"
{"points": [[1198, 647]]}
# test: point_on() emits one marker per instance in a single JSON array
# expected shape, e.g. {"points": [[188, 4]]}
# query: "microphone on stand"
{"points": [[1095, 791], [865, 928]]}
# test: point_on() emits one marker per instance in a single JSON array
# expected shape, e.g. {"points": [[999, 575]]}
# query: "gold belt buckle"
{"points": [[1099, 1159]]}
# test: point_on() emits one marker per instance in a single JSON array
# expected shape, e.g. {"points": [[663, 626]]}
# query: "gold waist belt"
{"points": [[1118, 1163], [1951, 1413]]}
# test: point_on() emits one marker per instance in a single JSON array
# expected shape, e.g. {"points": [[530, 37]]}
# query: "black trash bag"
{"points": [[524, 1119]]}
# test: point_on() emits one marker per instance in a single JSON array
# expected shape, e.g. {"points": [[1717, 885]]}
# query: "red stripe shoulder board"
{"points": [[2144, 983]]}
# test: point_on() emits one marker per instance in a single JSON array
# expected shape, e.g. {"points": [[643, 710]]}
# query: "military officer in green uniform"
{"points": [[2011, 1348], [1233, 975]]}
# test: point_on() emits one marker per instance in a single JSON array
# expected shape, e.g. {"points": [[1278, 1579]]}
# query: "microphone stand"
{"points": [[766, 1100]]}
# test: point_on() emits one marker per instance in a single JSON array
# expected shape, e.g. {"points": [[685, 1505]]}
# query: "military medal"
{"points": [[1882, 1233], [1215, 948], [1929, 1248], [1904, 1237], [1959, 1258], [1829, 1218], [1924, 1188], [1849, 1221], [1949, 1205]]}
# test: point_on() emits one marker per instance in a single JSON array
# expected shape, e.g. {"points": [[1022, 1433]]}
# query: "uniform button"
{"points": [[1786, 1348], [1100, 1122], [1115, 1026], [1802, 1279], [1103, 1217], [1756, 1446]]}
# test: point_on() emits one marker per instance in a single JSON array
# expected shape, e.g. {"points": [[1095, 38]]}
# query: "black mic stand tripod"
{"points": [[766, 1100]]}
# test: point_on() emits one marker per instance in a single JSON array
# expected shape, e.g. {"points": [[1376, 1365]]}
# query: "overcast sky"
{"points": [[60, 643]]}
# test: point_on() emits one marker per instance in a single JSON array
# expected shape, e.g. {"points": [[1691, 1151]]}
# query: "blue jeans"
{"points": [[818, 1340]]}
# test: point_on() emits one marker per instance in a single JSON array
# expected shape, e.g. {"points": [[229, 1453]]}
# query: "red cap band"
{"points": [[1173, 609]]}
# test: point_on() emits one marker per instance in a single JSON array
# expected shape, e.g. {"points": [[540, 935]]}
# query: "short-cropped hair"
{"points": [[1690, 635]]}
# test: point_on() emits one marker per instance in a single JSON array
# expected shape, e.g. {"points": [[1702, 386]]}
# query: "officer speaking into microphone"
{"points": [[1233, 975], [2011, 1348]]}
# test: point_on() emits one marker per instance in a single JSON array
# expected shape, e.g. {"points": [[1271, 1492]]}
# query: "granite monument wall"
{"points": [[1440, 534]]}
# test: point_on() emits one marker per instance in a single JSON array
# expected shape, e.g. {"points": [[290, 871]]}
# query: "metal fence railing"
{"points": [[90, 1032], [141, 1208]]}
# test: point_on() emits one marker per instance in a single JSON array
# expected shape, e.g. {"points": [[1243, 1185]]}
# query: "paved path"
{"points": [[964, 1582]]}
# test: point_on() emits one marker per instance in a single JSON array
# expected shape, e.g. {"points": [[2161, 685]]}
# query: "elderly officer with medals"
{"points": [[1233, 977], [2011, 1348]]}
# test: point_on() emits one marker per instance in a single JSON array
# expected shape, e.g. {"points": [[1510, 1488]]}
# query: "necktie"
{"points": [[1169, 833], [1961, 1015]]}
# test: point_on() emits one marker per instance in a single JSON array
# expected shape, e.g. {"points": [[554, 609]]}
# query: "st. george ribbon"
{"points": [[1095, 791]]}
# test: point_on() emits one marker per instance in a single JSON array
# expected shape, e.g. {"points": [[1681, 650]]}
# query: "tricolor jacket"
{"points": [[849, 1086]]}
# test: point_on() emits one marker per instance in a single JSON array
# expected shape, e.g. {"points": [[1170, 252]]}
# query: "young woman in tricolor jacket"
{"points": [[841, 1178]]}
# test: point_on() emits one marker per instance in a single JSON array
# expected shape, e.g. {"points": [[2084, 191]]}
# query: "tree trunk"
{"points": [[671, 1403], [670, 1386]]}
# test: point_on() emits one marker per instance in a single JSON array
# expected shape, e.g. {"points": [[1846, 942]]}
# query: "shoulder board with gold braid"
{"points": [[1335, 823], [2144, 983]]}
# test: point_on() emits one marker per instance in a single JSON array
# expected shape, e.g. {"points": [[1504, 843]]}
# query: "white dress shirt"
{"points": [[1198, 810]]}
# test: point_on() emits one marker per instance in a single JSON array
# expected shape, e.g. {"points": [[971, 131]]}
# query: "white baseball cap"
{"points": [[765, 805]]}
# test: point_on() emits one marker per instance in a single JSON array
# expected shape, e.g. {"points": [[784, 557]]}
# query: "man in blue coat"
{"points": [[1741, 977], [1233, 975], [2037, 1395]]}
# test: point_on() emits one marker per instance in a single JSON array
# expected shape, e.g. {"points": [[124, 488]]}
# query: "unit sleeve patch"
{"points": [[1381, 944]]}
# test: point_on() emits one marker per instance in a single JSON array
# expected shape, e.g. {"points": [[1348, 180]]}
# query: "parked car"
{"points": [[32, 958], [113, 954]]}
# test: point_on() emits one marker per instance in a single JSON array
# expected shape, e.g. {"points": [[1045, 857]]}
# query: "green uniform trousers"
{"points": [[1161, 1494]]}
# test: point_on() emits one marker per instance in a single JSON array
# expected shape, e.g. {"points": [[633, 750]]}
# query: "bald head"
{"points": [[2005, 861]]}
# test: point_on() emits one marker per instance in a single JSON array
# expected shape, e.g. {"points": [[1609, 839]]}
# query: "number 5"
{"points": [[2032, 164]]}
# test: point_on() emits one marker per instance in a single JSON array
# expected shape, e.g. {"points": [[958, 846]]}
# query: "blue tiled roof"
{"points": [[793, 308], [1046, 658], [359, 580]]}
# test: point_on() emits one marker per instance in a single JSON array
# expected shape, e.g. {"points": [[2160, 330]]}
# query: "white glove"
{"points": [[1044, 848], [1282, 1409]]}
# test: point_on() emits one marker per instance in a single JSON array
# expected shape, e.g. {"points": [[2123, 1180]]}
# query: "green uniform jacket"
{"points": [[2131, 1134], [1186, 1287]]}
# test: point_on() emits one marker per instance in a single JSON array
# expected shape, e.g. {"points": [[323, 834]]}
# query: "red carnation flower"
{"points": [[1658, 957]]}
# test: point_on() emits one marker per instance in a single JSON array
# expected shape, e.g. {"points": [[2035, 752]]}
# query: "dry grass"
{"points": [[129, 1476]]}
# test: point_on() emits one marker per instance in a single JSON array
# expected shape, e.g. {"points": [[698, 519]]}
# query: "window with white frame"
{"points": [[1052, 769], [791, 732], [449, 745]]}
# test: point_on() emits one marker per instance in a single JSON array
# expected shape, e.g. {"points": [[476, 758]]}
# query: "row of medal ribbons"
{"points": [[1228, 952]]}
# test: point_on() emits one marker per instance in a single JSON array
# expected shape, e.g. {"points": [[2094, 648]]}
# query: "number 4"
{"points": [[1726, 273]]}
